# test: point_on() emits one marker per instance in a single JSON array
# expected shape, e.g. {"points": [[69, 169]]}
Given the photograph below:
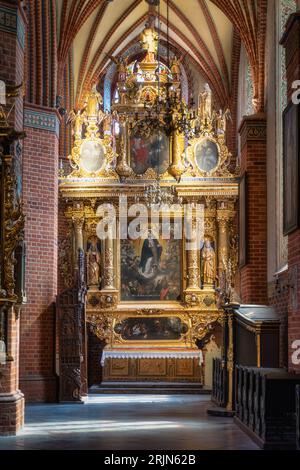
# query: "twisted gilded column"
{"points": [[224, 214], [223, 240], [192, 266], [78, 223], [109, 271]]}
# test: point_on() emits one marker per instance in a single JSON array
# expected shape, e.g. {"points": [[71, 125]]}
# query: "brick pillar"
{"points": [[12, 35], [253, 131], [40, 172], [291, 42]]}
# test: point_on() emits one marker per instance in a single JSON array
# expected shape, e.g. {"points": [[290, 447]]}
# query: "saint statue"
{"points": [[175, 69], [205, 103], [121, 64], [93, 263], [93, 103], [149, 40], [208, 258]]}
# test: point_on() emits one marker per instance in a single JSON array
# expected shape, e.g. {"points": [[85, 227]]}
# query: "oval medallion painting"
{"points": [[91, 156], [207, 155]]}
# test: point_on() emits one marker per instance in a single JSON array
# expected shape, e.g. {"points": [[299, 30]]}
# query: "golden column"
{"points": [[230, 362], [109, 270], [224, 215], [109, 275], [122, 168], [192, 262], [177, 168], [193, 271], [78, 223]]}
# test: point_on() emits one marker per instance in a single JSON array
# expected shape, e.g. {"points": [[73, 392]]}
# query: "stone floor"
{"points": [[121, 422]]}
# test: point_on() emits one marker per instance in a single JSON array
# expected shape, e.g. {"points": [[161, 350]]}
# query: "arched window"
{"points": [[284, 10]]}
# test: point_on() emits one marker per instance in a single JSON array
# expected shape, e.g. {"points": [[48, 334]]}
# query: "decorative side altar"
{"points": [[152, 202]]}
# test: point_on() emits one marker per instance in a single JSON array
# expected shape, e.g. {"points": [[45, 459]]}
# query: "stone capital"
{"points": [[253, 128]]}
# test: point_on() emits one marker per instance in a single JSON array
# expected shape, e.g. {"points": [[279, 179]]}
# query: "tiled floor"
{"points": [[136, 422]]}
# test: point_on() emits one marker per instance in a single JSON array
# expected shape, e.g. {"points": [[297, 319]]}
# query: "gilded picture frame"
{"points": [[291, 169], [149, 154], [183, 340], [219, 166], [135, 266]]}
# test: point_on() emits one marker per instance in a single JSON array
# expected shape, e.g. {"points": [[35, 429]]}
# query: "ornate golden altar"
{"points": [[152, 300]]}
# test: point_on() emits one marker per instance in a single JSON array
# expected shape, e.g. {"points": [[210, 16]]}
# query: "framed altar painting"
{"points": [[291, 169], [162, 328], [151, 268], [207, 155], [243, 221], [149, 152]]}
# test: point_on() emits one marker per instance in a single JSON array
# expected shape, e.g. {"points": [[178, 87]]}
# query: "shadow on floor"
{"points": [[133, 422]]}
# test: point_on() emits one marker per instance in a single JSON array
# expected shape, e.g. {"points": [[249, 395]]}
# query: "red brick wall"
{"points": [[11, 399], [254, 163], [12, 55], [37, 347]]}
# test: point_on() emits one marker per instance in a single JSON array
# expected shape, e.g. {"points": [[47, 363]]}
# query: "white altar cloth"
{"points": [[151, 354]]}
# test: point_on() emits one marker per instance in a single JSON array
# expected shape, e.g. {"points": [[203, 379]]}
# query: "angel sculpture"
{"points": [[77, 119], [121, 63], [175, 68], [221, 119]]}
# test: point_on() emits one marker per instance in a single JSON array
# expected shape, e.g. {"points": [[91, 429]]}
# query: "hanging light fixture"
{"points": [[168, 112], [165, 115]]}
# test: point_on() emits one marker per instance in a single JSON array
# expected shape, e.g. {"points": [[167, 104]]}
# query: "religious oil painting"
{"points": [[207, 155], [151, 268], [291, 169], [151, 329], [151, 152], [92, 156]]}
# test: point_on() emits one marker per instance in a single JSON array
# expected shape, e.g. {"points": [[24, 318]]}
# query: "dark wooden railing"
{"points": [[298, 416], [266, 406], [219, 386]]}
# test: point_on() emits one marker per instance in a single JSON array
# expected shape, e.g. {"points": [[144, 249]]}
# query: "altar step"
{"points": [[149, 388]]}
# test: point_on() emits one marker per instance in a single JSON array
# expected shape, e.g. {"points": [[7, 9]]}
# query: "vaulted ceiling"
{"points": [[198, 28], [201, 29]]}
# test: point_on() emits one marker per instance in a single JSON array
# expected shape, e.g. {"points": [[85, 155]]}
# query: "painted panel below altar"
{"points": [[159, 369]]}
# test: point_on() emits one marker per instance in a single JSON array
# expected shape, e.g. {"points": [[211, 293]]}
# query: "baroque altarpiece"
{"points": [[154, 302]]}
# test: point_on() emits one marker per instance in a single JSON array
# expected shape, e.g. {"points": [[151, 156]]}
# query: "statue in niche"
{"points": [[208, 259], [149, 40], [93, 262], [205, 103]]}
